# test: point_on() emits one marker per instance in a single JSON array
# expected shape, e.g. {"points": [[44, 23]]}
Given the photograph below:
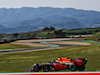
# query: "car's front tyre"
{"points": [[35, 67]]}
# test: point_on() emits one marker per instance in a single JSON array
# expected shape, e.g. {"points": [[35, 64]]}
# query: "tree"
{"points": [[60, 33], [51, 28], [46, 29]]}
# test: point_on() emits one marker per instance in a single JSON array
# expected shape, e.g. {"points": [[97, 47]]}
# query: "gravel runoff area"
{"points": [[70, 43], [62, 41], [30, 44]]}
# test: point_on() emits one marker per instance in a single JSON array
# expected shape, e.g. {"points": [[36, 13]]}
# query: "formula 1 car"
{"points": [[62, 64]]}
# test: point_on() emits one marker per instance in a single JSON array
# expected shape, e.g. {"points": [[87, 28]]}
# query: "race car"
{"points": [[61, 64]]}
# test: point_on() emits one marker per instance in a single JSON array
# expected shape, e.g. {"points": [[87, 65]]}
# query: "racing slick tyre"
{"points": [[82, 68], [72, 67], [46, 68], [35, 67]]}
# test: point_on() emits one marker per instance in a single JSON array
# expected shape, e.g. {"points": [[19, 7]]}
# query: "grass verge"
{"points": [[14, 46], [19, 62]]}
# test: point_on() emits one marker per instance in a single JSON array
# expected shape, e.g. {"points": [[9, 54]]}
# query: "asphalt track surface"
{"points": [[36, 49]]}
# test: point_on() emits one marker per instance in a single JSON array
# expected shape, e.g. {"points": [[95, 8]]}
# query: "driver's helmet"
{"points": [[60, 59]]}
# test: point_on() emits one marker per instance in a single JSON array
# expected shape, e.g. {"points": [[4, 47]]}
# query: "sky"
{"points": [[78, 4]]}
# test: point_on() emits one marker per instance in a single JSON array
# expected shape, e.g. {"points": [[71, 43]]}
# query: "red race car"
{"points": [[61, 64]]}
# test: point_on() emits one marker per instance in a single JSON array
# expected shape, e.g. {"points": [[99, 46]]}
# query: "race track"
{"points": [[46, 43]]}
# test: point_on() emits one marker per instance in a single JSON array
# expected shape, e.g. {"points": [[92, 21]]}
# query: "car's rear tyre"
{"points": [[46, 68], [72, 67], [35, 67], [82, 68]]}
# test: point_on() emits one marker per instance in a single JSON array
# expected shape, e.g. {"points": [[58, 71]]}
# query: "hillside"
{"points": [[39, 23], [38, 18], [2, 29]]}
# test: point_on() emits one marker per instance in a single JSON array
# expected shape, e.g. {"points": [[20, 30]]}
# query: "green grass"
{"points": [[96, 37], [86, 29], [73, 31], [68, 32], [13, 46], [44, 33], [19, 62]]}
